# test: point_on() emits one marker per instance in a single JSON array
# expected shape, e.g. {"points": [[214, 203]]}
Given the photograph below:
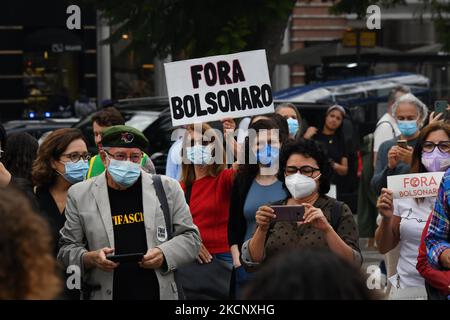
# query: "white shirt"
{"points": [[383, 132], [414, 217]]}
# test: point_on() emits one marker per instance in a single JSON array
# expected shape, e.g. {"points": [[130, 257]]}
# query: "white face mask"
{"points": [[300, 186]]}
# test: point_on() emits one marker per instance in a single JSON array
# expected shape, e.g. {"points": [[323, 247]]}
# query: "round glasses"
{"points": [[443, 146], [76, 156]]}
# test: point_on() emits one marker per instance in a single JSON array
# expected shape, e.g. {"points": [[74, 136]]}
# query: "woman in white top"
{"points": [[404, 219]]}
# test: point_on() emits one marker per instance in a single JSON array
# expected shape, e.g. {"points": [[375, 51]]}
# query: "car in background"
{"points": [[38, 128], [149, 115]]}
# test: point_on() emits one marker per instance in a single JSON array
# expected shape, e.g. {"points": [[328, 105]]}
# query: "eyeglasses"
{"points": [[304, 170], [75, 156], [122, 156], [444, 146]]}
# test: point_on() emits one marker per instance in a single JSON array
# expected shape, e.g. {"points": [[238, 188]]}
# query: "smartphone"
{"points": [[440, 106], [402, 144], [128, 257], [288, 213]]}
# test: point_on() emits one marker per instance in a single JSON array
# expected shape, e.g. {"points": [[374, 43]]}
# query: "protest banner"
{"points": [[218, 87], [417, 185]]}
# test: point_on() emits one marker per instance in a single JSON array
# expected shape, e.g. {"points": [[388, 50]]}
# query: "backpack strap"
{"points": [[161, 194], [336, 214], [162, 198], [390, 124]]}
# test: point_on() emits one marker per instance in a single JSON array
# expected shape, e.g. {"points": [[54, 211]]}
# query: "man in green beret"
{"points": [[101, 121], [117, 213]]}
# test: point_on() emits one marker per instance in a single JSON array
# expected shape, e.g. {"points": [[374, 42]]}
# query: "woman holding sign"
{"points": [[404, 219]]}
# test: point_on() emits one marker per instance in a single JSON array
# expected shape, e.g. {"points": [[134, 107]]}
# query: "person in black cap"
{"points": [[118, 212]]}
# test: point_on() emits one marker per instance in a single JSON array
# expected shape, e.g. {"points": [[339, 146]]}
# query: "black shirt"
{"points": [[55, 219], [334, 145], [131, 282], [50, 211]]}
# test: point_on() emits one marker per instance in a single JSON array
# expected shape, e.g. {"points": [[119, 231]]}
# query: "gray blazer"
{"points": [[89, 227]]}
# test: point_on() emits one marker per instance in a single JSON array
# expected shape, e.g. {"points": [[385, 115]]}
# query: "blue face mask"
{"points": [[407, 127], [124, 173], [293, 126], [75, 171], [266, 156], [199, 155]]}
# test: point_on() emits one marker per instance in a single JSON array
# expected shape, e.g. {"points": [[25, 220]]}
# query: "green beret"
{"points": [[124, 137]]}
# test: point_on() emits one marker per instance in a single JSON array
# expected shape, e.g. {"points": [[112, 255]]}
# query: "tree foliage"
{"points": [[197, 28]]}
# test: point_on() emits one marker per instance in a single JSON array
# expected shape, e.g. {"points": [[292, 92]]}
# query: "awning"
{"points": [[313, 55]]}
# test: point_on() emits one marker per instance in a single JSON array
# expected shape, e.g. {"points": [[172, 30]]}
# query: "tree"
{"points": [[439, 8], [197, 28]]}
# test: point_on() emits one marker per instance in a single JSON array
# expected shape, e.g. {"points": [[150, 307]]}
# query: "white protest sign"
{"points": [[417, 185], [217, 87]]}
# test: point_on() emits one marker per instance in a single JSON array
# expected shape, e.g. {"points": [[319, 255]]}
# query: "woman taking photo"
{"points": [[404, 219], [327, 223]]}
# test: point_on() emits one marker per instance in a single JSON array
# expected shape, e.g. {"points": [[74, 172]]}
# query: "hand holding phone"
{"points": [[402, 144], [128, 257], [291, 213], [440, 106]]}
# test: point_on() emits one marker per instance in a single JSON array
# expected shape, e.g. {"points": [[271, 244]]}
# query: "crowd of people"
{"points": [[214, 229]]}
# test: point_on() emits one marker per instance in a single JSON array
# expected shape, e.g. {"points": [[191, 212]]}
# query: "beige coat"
{"points": [[89, 227]]}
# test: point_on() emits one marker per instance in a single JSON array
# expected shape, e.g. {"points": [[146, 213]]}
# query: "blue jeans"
{"points": [[242, 279], [226, 256]]}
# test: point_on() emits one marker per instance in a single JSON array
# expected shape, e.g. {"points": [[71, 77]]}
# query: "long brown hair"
{"points": [[188, 172], [416, 163], [52, 148], [28, 269]]}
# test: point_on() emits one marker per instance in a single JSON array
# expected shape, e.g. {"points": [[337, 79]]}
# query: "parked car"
{"points": [[38, 128]]}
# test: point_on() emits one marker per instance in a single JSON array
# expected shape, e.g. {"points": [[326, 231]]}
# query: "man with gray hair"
{"points": [[387, 128]]}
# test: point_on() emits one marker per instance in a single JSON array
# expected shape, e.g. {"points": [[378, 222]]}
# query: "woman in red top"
{"points": [[207, 184]]}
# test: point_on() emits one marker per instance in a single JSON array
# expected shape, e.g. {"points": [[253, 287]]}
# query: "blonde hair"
{"points": [[214, 169]]}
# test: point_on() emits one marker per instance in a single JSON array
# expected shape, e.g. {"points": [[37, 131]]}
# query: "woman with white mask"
{"points": [[404, 219], [326, 223]]}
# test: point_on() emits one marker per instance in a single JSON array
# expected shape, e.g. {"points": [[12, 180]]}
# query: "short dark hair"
{"points": [[308, 275], [20, 152], [108, 117], [307, 148]]}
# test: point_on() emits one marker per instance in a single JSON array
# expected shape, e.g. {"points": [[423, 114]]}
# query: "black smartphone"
{"points": [[402, 144], [288, 213], [440, 106], [128, 257]]}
